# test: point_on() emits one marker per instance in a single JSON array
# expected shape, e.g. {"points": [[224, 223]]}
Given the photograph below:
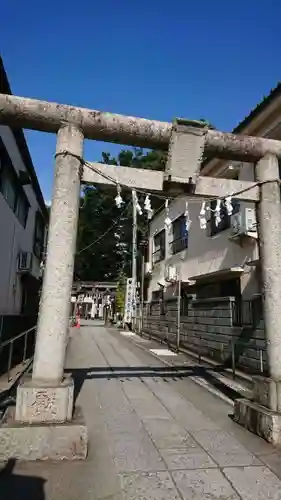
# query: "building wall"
{"points": [[207, 254], [14, 237], [208, 328], [204, 254]]}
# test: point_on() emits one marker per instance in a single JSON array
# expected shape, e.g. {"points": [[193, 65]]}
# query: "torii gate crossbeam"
{"points": [[109, 127]]}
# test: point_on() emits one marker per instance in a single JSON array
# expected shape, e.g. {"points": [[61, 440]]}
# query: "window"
{"points": [[225, 218], [11, 188], [8, 186], [22, 208], [180, 235], [38, 245], [159, 247]]}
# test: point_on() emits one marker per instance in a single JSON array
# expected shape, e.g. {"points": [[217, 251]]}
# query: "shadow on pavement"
{"points": [[140, 372], [18, 487]]}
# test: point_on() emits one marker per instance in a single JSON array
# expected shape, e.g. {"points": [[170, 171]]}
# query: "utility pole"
{"points": [[142, 290], [134, 255]]}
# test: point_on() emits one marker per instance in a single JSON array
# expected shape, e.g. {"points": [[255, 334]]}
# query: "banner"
{"points": [[129, 301]]}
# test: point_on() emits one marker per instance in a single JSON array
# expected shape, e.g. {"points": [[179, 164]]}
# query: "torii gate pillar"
{"points": [[47, 398], [263, 415]]}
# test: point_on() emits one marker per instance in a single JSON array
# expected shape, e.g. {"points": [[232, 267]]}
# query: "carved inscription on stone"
{"points": [[44, 404]]}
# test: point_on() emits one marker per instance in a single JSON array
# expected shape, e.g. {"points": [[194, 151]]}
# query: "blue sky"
{"points": [[151, 58]]}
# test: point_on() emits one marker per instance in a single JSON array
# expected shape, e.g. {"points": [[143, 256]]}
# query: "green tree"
{"points": [[104, 253]]}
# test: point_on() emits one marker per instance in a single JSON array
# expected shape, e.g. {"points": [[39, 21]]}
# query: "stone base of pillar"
{"points": [[267, 392], [43, 426], [262, 416], [259, 420], [58, 441], [42, 403]]}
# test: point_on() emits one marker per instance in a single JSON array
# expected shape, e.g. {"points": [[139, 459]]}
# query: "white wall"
{"points": [[13, 236], [204, 254]]}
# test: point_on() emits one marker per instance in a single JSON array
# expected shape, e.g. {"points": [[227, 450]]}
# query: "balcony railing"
{"points": [[179, 244], [158, 255]]}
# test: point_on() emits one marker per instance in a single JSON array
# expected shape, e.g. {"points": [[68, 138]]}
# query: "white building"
{"points": [[23, 217], [223, 260]]}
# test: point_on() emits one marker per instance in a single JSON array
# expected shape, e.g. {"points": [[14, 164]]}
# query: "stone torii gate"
{"points": [[44, 424]]}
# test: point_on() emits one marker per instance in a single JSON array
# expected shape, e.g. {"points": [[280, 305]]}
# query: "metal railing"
{"points": [[229, 355], [247, 312], [179, 244], [11, 343]]}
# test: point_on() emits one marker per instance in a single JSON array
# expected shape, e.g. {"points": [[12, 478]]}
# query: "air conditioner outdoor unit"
{"points": [[170, 273], [24, 262], [244, 223]]}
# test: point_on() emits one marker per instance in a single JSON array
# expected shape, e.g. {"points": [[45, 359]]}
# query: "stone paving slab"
{"points": [[135, 452], [254, 483], [208, 484], [168, 434], [224, 449], [182, 410], [150, 437], [193, 458], [149, 486]]}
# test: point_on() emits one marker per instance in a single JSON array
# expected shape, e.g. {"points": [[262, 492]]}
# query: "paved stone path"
{"points": [[153, 435]]}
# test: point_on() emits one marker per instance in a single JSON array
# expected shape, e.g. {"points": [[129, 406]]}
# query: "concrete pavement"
{"points": [[154, 433]]}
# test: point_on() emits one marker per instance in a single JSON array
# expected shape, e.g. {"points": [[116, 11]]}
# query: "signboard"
{"points": [[129, 301]]}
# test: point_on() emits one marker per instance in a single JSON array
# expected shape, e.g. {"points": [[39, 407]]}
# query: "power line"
{"points": [[107, 231], [192, 199]]}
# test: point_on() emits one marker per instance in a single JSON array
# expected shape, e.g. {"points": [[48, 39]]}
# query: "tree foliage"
{"points": [[105, 253]]}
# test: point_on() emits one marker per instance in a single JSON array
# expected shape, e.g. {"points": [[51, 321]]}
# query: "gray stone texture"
{"points": [[135, 452], [267, 392], [269, 233], [224, 449], [259, 420], [53, 320], [208, 484], [66, 441], [254, 483], [184, 448], [192, 458], [41, 404], [185, 152], [149, 486]]}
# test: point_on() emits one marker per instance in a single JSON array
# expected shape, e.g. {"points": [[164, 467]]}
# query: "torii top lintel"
{"points": [[49, 117]]}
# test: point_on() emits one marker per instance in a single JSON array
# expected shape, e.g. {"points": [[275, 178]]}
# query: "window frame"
{"points": [[179, 243], [8, 172], [22, 197], [38, 240], [159, 254]]}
